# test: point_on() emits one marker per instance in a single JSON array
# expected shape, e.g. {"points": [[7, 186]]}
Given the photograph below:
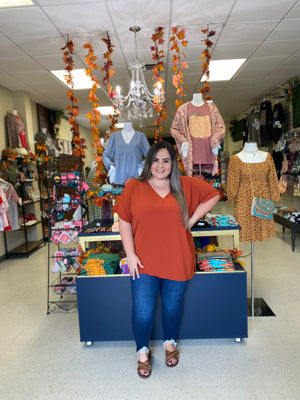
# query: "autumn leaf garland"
{"points": [[157, 56], [177, 40], [73, 109], [205, 58]]}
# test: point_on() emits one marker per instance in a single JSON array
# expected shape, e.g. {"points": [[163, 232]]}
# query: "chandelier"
{"points": [[139, 102]]}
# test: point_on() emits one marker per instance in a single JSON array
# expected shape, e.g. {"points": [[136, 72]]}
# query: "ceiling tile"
{"points": [[265, 63], [41, 45], [25, 21], [248, 32], [75, 18], [56, 62], [27, 64], [237, 50], [282, 47], [251, 75], [195, 13], [286, 30], [256, 10], [9, 49], [146, 14], [295, 12]]}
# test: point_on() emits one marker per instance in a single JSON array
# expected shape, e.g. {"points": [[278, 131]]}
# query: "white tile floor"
{"points": [[42, 358]]}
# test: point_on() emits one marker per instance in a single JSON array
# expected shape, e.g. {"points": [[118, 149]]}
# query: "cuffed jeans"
{"points": [[144, 294]]}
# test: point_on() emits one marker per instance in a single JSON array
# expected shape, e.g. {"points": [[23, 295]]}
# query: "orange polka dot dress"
{"points": [[239, 192]]}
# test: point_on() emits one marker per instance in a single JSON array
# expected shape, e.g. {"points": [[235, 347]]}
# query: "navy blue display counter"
{"points": [[215, 306]]}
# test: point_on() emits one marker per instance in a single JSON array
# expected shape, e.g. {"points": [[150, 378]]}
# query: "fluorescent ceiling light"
{"points": [[15, 3], [223, 70], [80, 79]]}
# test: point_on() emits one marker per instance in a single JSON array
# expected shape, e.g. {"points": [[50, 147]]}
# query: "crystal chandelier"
{"points": [[139, 101]]}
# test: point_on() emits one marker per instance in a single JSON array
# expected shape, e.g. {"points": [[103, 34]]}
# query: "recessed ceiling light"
{"points": [[223, 70], [80, 79], [15, 3]]}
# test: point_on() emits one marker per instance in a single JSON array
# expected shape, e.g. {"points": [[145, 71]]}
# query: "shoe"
{"points": [[172, 355], [144, 366]]}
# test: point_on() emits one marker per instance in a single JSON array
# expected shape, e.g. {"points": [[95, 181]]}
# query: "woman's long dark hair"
{"points": [[176, 188]]}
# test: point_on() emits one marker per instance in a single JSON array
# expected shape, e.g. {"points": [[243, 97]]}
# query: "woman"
{"points": [[156, 212]]}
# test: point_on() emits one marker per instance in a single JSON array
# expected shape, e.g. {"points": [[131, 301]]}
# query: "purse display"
{"points": [[262, 208]]}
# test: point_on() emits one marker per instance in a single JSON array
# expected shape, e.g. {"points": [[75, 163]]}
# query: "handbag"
{"points": [[260, 207]]}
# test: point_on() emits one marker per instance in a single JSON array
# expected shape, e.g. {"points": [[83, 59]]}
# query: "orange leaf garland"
{"points": [[177, 41], [158, 55], [94, 116], [78, 143], [205, 58]]}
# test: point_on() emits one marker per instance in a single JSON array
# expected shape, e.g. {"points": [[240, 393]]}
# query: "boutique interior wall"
{"points": [[27, 110]]}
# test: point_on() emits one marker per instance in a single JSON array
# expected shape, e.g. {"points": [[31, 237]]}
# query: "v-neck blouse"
{"points": [[166, 249], [125, 157]]}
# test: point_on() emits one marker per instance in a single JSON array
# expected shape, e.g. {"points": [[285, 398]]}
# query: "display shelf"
{"points": [[232, 231], [26, 186], [58, 291], [26, 248]]}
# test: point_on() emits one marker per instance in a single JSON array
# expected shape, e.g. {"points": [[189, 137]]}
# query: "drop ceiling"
{"points": [[266, 33]]}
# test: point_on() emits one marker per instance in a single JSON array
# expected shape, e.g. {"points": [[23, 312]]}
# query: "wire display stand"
{"points": [[66, 217]]}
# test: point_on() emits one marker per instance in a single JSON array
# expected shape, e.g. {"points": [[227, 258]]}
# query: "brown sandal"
{"points": [[144, 366], [172, 355]]}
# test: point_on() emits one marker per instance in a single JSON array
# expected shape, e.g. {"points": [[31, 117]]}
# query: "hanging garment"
{"points": [[278, 117], [239, 192], [239, 130], [16, 131], [203, 129], [253, 127], [265, 122], [5, 225], [125, 157], [12, 199]]}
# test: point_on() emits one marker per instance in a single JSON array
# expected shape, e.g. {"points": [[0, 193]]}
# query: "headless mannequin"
{"points": [[251, 154], [196, 101], [14, 112], [127, 132]]}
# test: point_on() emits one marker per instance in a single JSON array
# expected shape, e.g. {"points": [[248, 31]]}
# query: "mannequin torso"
{"points": [[127, 132], [197, 100], [250, 154]]}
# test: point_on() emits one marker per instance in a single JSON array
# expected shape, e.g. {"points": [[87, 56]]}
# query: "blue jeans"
{"points": [[144, 294]]}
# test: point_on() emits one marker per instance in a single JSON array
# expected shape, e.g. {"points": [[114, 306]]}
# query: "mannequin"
{"points": [[124, 153], [197, 100], [14, 112], [127, 132], [252, 173], [198, 130], [251, 154]]}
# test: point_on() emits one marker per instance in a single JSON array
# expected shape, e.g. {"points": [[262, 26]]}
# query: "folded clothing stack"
{"points": [[294, 217], [111, 262], [221, 220]]}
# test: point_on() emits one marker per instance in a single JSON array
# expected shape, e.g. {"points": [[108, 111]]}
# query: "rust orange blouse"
{"points": [[166, 249]]}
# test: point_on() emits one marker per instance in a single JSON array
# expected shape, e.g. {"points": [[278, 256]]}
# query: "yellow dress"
{"points": [[239, 192]]}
